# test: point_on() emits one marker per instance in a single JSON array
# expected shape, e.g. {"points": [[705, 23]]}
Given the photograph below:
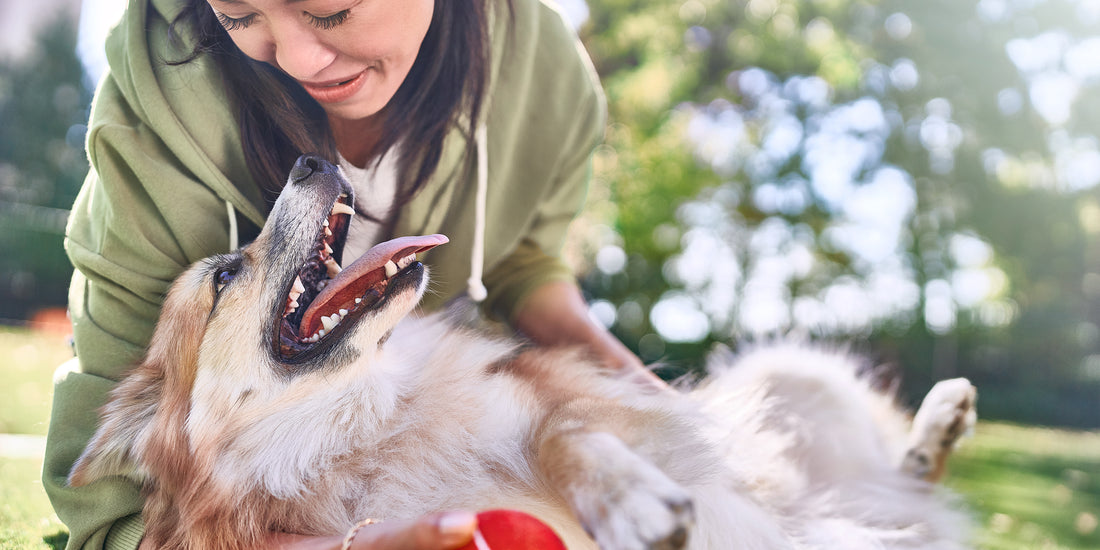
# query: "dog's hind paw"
{"points": [[946, 414]]}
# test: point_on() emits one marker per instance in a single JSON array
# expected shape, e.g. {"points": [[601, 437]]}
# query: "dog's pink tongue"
{"points": [[357, 278]]}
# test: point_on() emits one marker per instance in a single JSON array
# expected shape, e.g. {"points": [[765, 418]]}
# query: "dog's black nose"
{"points": [[310, 165]]}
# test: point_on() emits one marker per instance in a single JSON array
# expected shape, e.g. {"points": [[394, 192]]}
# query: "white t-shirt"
{"points": [[375, 191]]}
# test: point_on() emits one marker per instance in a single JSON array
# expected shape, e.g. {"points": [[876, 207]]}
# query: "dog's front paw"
{"points": [[637, 507], [945, 415]]}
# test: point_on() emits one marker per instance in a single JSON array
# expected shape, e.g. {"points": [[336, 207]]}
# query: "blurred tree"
{"points": [[918, 175], [43, 107]]}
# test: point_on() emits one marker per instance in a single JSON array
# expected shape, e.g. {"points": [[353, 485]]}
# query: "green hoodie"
{"points": [[169, 186]]}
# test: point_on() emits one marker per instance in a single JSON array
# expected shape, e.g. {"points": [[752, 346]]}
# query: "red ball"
{"points": [[513, 530]]}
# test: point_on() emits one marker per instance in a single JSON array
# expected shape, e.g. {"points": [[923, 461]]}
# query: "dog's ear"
{"points": [[124, 431], [142, 426]]}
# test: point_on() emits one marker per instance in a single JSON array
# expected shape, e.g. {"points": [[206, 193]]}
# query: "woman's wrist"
{"points": [[555, 314]]}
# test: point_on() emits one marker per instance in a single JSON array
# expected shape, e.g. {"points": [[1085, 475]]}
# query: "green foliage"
{"points": [[894, 171], [43, 106]]}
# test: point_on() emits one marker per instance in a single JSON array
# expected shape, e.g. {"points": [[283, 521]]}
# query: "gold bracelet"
{"points": [[354, 531]]}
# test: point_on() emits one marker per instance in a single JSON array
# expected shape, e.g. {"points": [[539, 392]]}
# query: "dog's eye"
{"points": [[223, 277]]}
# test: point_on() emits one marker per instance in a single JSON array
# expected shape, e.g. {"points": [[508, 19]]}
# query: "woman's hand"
{"points": [[442, 531], [555, 314]]}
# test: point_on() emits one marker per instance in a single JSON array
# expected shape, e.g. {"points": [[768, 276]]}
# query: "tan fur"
{"points": [[408, 415]]}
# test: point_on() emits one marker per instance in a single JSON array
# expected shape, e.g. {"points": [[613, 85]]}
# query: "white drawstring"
{"points": [[234, 238], [475, 288]]}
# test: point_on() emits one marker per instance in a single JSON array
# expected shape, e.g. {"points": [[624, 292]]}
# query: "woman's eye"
{"points": [[223, 277], [234, 23], [329, 21]]}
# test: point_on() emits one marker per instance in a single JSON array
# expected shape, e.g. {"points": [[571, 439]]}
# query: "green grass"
{"points": [[1029, 488], [26, 519], [27, 362]]}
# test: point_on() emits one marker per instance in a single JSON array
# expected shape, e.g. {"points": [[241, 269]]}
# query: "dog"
{"points": [[283, 391]]}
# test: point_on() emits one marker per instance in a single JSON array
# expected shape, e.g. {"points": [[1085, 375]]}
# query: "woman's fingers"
{"points": [[443, 531]]}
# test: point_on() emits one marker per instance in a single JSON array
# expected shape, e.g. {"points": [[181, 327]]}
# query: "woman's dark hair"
{"points": [[279, 121]]}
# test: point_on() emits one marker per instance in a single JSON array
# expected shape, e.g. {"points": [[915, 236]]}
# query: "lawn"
{"points": [[1029, 488], [27, 362]]}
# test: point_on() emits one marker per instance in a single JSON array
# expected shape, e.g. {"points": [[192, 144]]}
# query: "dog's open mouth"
{"points": [[325, 299]]}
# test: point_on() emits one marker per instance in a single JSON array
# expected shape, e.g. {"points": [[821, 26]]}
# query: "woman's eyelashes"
{"points": [[330, 21], [234, 23], [324, 23]]}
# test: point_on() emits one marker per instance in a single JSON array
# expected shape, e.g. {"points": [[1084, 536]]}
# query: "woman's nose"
{"points": [[299, 52]]}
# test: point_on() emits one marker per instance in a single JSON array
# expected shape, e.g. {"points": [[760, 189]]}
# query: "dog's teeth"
{"points": [[391, 269], [341, 208], [321, 333], [328, 249], [343, 312], [328, 232], [327, 323], [324, 223], [404, 262], [298, 287], [358, 301], [333, 267]]}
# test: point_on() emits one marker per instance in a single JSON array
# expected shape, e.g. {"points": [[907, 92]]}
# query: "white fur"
{"points": [[783, 447], [805, 466]]}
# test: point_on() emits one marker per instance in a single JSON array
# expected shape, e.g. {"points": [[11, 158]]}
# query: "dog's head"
{"points": [[312, 313], [272, 329]]}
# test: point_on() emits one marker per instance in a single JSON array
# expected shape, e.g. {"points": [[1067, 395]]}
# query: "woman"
{"points": [[472, 118]]}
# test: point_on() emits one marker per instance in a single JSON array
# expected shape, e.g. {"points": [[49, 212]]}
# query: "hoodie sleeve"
{"points": [[138, 221], [537, 260], [165, 157], [561, 120]]}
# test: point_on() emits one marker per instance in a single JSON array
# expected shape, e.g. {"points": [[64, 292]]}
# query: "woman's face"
{"points": [[350, 55]]}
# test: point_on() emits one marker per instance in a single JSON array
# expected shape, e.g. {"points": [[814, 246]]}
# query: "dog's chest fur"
{"points": [[413, 429]]}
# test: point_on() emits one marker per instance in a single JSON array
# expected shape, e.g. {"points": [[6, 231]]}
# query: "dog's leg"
{"points": [[623, 500], [945, 415]]}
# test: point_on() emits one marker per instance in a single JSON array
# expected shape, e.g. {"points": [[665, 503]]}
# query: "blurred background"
{"points": [[916, 180]]}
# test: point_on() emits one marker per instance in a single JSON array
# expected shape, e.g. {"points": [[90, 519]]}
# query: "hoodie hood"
{"points": [[183, 105]]}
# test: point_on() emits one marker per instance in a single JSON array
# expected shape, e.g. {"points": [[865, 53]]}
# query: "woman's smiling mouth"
{"points": [[336, 91]]}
